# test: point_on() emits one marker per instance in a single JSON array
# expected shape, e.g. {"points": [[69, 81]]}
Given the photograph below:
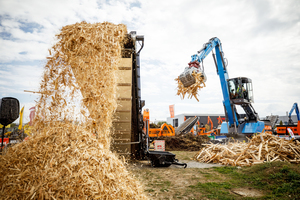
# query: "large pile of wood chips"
{"points": [[69, 155], [192, 90], [261, 148]]}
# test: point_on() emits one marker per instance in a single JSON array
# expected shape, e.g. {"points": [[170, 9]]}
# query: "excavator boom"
{"points": [[236, 91]]}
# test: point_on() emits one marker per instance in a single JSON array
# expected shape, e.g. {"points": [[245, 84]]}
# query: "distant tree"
{"points": [[281, 123], [161, 123], [152, 125]]}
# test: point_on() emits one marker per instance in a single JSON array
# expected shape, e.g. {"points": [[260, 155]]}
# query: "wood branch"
{"points": [[192, 90], [261, 148]]}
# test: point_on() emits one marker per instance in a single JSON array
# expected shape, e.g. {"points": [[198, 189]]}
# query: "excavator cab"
{"points": [[240, 90]]}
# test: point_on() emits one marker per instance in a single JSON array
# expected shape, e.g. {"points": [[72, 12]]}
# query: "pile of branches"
{"points": [[261, 148], [68, 156], [187, 142], [192, 90]]}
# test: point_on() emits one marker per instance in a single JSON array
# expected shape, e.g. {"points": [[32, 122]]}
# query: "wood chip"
{"points": [[261, 148], [192, 90]]}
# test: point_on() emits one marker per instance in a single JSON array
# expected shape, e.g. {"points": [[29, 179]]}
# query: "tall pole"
{"points": [[3, 129], [147, 134]]}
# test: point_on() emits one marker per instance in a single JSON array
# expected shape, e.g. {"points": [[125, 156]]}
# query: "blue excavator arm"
{"points": [[240, 92], [295, 107], [215, 44]]}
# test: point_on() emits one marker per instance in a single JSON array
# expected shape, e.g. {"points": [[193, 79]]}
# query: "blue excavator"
{"points": [[236, 92], [296, 108]]}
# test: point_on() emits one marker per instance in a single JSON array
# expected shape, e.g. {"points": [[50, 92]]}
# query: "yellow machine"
{"points": [[27, 129], [21, 131]]}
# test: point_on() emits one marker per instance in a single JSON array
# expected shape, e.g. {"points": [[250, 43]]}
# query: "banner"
{"points": [[159, 145], [21, 119], [31, 115], [171, 108]]}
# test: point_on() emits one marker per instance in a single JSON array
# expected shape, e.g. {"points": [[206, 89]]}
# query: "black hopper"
{"points": [[9, 112]]}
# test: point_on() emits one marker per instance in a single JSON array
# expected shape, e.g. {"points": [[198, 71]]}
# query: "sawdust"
{"points": [[69, 156], [192, 90]]}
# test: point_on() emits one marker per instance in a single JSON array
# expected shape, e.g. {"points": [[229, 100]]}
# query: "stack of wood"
{"points": [[69, 155], [192, 90], [261, 148]]}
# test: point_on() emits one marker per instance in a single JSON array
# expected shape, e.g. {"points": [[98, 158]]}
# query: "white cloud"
{"points": [[18, 78], [260, 40]]}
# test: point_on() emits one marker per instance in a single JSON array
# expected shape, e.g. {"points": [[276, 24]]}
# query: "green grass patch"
{"points": [[214, 190], [225, 170], [279, 179], [211, 185]]}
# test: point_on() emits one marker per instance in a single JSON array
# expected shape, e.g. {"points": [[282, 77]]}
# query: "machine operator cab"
{"points": [[240, 90]]}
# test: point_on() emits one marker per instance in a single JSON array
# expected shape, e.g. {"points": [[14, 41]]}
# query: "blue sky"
{"points": [[260, 39]]}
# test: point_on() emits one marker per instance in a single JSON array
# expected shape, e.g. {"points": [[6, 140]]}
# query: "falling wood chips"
{"points": [[261, 148], [193, 89], [69, 156]]}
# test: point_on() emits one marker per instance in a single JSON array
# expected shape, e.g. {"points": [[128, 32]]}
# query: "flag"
{"points": [[21, 119], [171, 108], [31, 115]]}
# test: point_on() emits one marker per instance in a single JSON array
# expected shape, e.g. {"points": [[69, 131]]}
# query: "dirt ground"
{"points": [[186, 142], [175, 182], [214, 181]]}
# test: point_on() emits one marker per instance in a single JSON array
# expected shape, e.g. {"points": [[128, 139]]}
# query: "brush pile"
{"points": [[261, 148], [192, 90], [69, 155]]}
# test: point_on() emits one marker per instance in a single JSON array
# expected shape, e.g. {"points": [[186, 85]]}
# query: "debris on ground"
{"points": [[248, 192], [68, 156], [187, 142], [193, 89], [261, 148]]}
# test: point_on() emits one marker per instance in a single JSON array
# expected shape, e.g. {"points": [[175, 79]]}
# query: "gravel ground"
{"points": [[190, 164]]}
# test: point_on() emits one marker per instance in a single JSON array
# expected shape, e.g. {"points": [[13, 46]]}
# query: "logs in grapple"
{"points": [[192, 90]]}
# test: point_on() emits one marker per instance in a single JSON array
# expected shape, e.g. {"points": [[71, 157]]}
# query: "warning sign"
{"points": [[159, 145]]}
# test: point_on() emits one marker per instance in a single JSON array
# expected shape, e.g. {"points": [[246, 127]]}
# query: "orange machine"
{"points": [[165, 129], [202, 130], [282, 129], [211, 123], [220, 121], [268, 129]]}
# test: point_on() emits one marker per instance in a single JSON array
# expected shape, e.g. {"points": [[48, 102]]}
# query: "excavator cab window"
{"points": [[240, 90]]}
